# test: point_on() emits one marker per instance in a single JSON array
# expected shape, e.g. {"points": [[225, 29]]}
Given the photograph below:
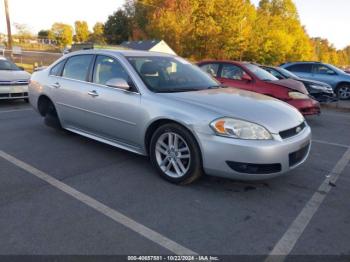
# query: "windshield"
{"points": [[261, 73], [287, 73], [171, 74], [7, 65]]}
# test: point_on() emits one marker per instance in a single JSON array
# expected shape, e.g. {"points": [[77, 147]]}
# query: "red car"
{"points": [[248, 76]]}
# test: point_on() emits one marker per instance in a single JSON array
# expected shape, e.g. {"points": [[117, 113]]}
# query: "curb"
{"points": [[339, 106]]}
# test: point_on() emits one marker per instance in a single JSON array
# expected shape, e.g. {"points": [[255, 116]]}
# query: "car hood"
{"points": [[273, 114], [313, 82], [12, 75], [291, 84]]}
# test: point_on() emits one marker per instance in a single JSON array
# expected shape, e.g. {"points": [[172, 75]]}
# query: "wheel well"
{"points": [[43, 104], [342, 83], [153, 127]]}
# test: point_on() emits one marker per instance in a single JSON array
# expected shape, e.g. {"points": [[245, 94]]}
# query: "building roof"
{"points": [[141, 45]]}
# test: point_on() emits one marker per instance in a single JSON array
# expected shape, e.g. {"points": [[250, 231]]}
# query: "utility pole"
{"points": [[9, 34]]}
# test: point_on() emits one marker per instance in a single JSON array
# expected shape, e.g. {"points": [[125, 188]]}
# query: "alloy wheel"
{"points": [[173, 155], [344, 92]]}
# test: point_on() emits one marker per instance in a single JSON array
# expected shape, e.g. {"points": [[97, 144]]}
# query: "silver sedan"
{"points": [[164, 107]]}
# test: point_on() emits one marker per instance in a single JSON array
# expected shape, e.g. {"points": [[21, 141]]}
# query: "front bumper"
{"points": [[306, 106], [13, 92], [221, 154]]}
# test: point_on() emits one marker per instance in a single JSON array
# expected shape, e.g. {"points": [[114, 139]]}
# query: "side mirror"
{"points": [[246, 77], [21, 68], [118, 83]]}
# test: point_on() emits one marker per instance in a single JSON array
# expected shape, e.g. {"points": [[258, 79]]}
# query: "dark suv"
{"points": [[337, 78]]}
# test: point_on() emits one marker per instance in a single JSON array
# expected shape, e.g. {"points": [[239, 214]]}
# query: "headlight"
{"points": [[297, 95], [239, 129], [318, 87]]}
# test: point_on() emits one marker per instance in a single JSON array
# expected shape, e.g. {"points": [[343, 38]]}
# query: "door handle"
{"points": [[93, 93], [56, 85]]}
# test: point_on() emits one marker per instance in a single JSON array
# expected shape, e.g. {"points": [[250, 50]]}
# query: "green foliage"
{"points": [[43, 33], [97, 35], [81, 31], [117, 28], [62, 34]]}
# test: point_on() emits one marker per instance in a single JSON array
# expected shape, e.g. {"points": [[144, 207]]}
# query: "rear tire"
{"points": [[175, 154], [51, 118], [343, 92]]}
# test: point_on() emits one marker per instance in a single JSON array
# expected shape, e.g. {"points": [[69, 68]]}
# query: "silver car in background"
{"points": [[13, 81], [162, 106]]}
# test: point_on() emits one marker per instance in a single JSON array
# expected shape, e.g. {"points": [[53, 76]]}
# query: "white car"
{"points": [[13, 81]]}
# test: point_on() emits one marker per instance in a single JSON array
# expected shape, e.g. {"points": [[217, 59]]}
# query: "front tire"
{"points": [[343, 92], [175, 154]]}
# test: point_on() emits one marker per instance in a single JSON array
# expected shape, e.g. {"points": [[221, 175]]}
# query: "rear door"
{"points": [[70, 89], [232, 75]]}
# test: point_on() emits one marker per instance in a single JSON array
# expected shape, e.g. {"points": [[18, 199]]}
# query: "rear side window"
{"points": [[57, 69], [77, 67], [211, 69], [301, 68]]}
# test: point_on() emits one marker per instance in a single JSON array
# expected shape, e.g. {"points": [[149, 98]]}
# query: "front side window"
{"points": [[323, 70], [211, 69], [232, 72], [8, 66], [107, 68], [171, 74], [77, 67], [57, 69]]}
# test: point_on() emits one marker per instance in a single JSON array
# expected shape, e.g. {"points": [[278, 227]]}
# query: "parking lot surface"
{"points": [[64, 194]]}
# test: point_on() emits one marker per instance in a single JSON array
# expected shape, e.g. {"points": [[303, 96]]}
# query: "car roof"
{"points": [[224, 61], [121, 52], [2, 58]]}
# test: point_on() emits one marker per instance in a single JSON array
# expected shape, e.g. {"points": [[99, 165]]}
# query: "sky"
{"points": [[322, 18]]}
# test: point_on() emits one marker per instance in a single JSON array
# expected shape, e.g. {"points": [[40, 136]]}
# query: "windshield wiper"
{"points": [[216, 86], [175, 90]]}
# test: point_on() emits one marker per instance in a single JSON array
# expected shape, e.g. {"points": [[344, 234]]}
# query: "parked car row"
{"points": [[224, 118], [251, 77], [336, 78]]}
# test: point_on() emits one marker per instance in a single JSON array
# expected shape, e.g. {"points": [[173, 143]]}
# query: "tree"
{"points": [[97, 35], [62, 34], [23, 32], [43, 33], [81, 31], [117, 28]]}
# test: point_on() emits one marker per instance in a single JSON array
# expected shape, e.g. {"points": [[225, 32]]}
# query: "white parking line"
{"points": [[330, 143], [103, 209], [286, 244], [16, 110]]}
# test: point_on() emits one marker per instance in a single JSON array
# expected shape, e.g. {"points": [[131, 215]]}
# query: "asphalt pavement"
{"points": [[63, 194]]}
